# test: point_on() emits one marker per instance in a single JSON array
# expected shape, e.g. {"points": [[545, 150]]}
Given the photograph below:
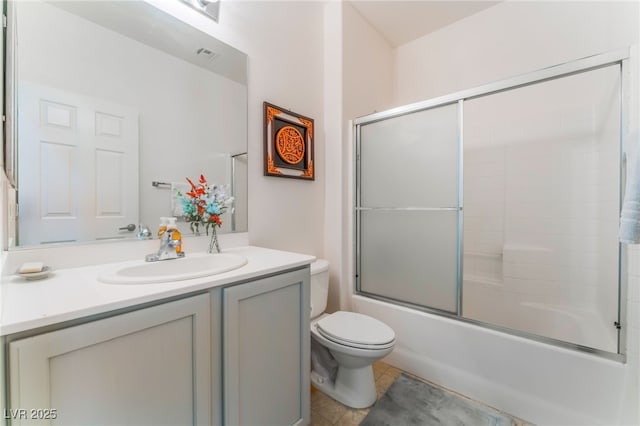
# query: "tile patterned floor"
{"points": [[327, 412]]}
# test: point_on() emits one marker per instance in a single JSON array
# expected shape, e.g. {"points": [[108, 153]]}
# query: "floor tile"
{"points": [[383, 383], [379, 369], [317, 397], [393, 372], [327, 411], [318, 420], [330, 409], [352, 417]]}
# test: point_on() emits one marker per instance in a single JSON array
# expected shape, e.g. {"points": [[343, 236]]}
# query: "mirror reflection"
{"points": [[109, 98]]}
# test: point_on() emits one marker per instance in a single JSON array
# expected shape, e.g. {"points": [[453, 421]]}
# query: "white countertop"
{"points": [[74, 293]]}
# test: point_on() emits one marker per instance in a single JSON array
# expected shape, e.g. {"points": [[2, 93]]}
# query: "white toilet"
{"points": [[353, 340]]}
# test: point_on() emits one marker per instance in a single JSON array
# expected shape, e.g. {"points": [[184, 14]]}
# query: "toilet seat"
{"points": [[356, 330]]}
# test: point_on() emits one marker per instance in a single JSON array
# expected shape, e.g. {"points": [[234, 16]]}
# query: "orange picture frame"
{"points": [[288, 144]]}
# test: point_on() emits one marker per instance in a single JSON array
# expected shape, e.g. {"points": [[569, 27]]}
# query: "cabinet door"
{"points": [[147, 367], [266, 351]]}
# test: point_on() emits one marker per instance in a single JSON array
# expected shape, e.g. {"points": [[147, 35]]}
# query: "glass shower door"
{"points": [[542, 199], [543, 181], [408, 208]]}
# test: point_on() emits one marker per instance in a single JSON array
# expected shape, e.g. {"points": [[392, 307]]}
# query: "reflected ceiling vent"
{"points": [[211, 8], [207, 54]]}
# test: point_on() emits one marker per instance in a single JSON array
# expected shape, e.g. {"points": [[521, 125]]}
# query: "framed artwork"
{"points": [[288, 144]]}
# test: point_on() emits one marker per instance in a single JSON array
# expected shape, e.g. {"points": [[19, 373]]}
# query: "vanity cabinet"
{"points": [[237, 354], [146, 367], [266, 351]]}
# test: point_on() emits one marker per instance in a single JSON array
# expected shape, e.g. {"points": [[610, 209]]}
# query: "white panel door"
{"points": [[147, 367], [80, 154]]}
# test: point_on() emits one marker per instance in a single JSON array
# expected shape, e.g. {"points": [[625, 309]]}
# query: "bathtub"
{"points": [[541, 383], [489, 301], [571, 324]]}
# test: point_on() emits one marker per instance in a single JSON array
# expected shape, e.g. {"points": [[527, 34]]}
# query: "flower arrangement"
{"points": [[203, 205]]}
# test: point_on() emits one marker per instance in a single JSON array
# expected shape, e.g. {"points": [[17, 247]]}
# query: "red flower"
{"points": [[216, 219], [197, 199], [193, 186]]}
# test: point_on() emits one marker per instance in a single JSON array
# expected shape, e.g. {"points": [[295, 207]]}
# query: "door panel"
{"points": [[266, 341], [81, 155], [408, 208], [411, 256]]}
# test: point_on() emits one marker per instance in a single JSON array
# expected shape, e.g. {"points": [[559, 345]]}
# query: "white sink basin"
{"points": [[192, 266]]}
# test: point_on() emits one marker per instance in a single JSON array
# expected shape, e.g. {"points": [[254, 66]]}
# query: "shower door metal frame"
{"points": [[620, 57]]}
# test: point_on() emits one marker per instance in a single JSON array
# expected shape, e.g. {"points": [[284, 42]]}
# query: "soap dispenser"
{"points": [[163, 226], [171, 225]]}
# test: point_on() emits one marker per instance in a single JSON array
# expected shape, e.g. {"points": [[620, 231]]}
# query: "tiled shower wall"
{"points": [[541, 200]]}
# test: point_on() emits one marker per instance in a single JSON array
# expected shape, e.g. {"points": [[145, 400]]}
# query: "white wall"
{"points": [[284, 41], [333, 114], [368, 68], [366, 85], [540, 383], [511, 38]]}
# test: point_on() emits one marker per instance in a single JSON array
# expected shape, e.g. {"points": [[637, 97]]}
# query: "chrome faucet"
{"points": [[168, 248]]}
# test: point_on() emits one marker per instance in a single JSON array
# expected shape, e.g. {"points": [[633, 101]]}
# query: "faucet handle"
{"points": [[144, 233], [167, 249]]}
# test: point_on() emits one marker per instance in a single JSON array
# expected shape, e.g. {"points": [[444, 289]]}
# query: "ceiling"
{"points": [[401, 21]]}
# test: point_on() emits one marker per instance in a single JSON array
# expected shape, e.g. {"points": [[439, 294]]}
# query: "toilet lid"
{"points": [[355, 329]]}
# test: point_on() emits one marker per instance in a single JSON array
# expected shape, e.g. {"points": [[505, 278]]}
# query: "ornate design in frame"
{"points": [[288, 144]]}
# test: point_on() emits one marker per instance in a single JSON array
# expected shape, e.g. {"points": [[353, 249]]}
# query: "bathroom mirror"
{"points": [[111, 105]]}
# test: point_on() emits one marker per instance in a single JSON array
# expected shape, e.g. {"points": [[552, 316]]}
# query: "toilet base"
{"points": [[353, 387]]}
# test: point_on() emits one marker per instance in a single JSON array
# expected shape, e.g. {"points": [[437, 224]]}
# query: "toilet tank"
{"points": [[319, 286]]}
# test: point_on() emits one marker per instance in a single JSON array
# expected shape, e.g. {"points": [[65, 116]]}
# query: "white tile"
{"points": [[584, 276], [633, 260], [633, 314], [633, 288], [633, 342], [490, 242], [527, 251]]}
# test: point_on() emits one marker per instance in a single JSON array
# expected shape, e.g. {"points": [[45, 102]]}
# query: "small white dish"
{"points": [[36, 275]]}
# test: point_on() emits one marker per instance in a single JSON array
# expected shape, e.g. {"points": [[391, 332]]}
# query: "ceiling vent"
{"points": [[203, 52]]}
